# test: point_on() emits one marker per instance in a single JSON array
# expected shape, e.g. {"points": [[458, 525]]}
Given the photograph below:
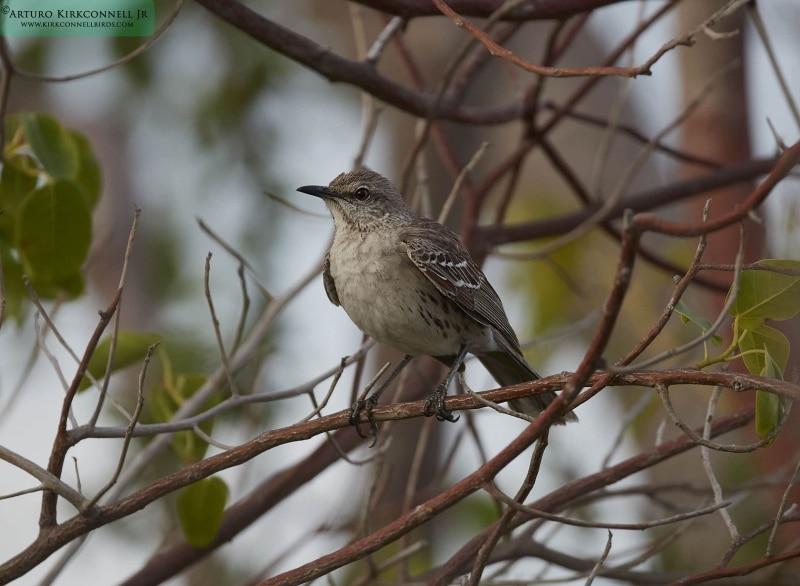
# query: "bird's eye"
{"points": [[362, 194]]}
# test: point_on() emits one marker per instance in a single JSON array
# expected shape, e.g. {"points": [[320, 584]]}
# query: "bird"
{"points": [[409, 283]]}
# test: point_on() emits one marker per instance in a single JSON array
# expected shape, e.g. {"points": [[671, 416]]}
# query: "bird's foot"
{"points": [[434, 405], [354, 417]]}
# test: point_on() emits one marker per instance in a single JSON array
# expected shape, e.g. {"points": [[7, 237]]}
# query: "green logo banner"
{"points": [[77, 18]]}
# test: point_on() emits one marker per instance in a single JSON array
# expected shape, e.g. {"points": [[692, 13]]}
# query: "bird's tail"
{"points": [[507, 370]]}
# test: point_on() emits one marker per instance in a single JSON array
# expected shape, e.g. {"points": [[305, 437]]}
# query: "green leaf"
{"points": [[687, 316], [761, 342], [88, 176], [52, 144], [768, 413], [12, 123], [168, 398], [16, 295], [70, 286], [131, 348], [769, 407], [18, 179], [53, 233], [201, 508], [189, 446], [767, 295]]}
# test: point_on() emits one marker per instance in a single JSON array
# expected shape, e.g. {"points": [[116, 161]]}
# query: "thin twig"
{"points": [[242, 321], [599, 565], [223, 354], [627, 419], [498, 50], [49, 481], [374, 454], [663, 393], [382, 40], [680, 288], [198, 431], [232, 403], [114, 338], [758, 23], [616, 196], [603, 150], [129, 431], [422, 445], [573, 522], [46, 351], [238, 359], [502, 524], [48, 320], [368, 103], [709, 470], [116, 63], [722, 317], [636, 135], [782, 510], [318, 407], [496, 406], [451, 197], [237, 255]]}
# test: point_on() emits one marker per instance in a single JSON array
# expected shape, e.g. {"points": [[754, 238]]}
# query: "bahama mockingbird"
{"points": [[409, 283]]}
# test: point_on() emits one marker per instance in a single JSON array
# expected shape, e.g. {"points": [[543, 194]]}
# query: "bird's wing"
{"points": [[327, 280], [440, 256]]}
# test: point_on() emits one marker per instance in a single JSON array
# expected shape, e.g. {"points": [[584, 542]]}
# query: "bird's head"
{"points": [[362, 200]]}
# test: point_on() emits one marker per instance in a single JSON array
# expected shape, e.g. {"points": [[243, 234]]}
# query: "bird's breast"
{"points": [[390, 300]]}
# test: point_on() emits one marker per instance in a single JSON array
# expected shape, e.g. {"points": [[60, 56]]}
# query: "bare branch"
{"points": [[497, 50], [223, 354], [49, 482]]}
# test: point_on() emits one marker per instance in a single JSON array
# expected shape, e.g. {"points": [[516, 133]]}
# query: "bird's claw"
{"points": [[354, 418], [434, 405]]}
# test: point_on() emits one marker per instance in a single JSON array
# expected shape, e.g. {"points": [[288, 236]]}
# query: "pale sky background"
{"points": [[315, 140]]}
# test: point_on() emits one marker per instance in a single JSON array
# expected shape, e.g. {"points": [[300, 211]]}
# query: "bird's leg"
{"points": [[367, 403], [434, 403]]}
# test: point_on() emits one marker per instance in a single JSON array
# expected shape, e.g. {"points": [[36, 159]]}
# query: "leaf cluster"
{"points": [[770, 291], [49, 185]]}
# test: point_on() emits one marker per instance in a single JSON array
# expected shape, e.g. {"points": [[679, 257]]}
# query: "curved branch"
{"points": [[492, 236], [169, 561], [418, 515], [784, 165], [524, 11], [53, 537], [49, 481], [558, 499], [361, 74], [497, 50]]}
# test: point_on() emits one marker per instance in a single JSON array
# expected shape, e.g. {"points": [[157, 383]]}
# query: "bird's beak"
{"points": [[317, 190]]}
